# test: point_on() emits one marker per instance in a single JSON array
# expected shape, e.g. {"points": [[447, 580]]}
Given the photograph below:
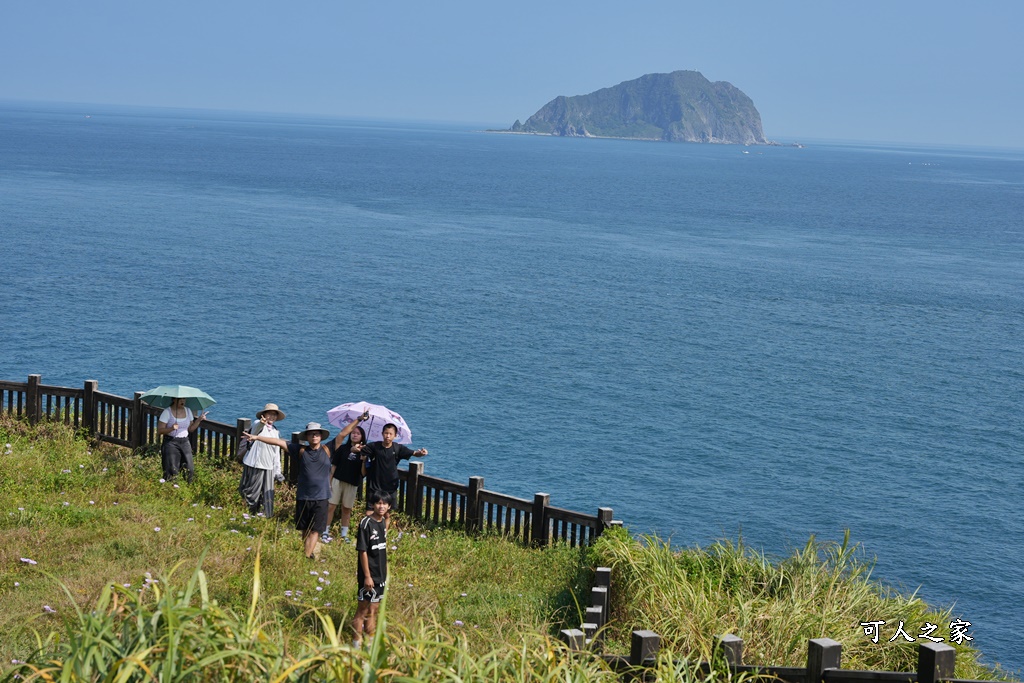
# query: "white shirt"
{"points": [[167, 418], [261, 455]]}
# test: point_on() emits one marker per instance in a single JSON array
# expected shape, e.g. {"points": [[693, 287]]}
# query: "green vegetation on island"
{"points": [[108, 574], [681, 106]]}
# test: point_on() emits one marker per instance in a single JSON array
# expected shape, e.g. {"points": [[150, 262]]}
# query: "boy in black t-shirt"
{"points": [[381, 458], [372, 572]]}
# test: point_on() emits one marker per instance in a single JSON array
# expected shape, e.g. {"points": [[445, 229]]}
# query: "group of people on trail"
{"points": [[329, 474]]}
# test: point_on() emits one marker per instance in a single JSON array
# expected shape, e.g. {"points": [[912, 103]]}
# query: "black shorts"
{"points": [[375, 594], [311, 515]]}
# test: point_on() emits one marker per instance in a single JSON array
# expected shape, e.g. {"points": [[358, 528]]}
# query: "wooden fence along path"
{"points": [[935, 661], [132, 423]]}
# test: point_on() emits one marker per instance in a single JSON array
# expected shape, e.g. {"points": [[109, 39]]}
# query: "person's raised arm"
{"points": [[348, 429], [280, 443], [406, 453], [198, 420]]}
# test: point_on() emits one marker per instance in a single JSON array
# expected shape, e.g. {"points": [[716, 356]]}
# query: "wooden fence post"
{"points": [[476, 484], [599, 598], [539, 527], [32, 403], [603, 577], [604, 520], [413, 490], [731, 649], [935, 661], [643, 646], [595, 616], [573, 637], [137, 424], [242, 425], [89, 406], [822, 653]]}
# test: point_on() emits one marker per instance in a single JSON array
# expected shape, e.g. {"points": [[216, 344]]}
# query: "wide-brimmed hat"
{"points": [[315, 427], [271, 407]]}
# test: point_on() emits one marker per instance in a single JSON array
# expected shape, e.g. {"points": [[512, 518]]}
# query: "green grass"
{"points": [[134, 579], [823, 590]]}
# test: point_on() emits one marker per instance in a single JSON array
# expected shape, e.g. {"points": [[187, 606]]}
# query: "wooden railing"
{"points": [[935, 662], [132, 423]]}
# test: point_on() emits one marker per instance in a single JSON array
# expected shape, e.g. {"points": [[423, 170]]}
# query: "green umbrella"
{"points": [[161, 397]]}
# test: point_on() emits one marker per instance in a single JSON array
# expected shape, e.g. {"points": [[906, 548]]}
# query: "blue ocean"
{"points": [[715, 341]]}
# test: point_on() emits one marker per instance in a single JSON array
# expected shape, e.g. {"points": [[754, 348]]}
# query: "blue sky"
{"points": [[906, 71]]}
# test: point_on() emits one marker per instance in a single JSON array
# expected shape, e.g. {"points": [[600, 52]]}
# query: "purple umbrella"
{"points": [[379, 416]]}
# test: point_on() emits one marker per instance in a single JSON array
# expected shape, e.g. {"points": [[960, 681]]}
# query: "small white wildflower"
{"points": [[463, 595], [176, 486], [65, 471], [49, 610], [92, 502], [16, 584], [458, 622], [288, 594], [195, 505], [115, 502], [163, 481], [326, 573], [313, 573], [394, 547], [104, 469], [191, 519], [66, 503], [156, 528], [327, 582], [28, 561], [235, 531], [22, 509], [81, 467], [327, 604], [320, 579], [410, 585], [319, 588]]}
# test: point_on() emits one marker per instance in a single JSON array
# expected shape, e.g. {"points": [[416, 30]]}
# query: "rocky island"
{"points": [[681, 106]]}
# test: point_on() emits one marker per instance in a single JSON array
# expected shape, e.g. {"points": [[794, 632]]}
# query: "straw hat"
{"points": [[271, 407]]}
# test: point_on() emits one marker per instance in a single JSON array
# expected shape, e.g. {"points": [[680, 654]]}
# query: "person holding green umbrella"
{"points": [[176, 422]]}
